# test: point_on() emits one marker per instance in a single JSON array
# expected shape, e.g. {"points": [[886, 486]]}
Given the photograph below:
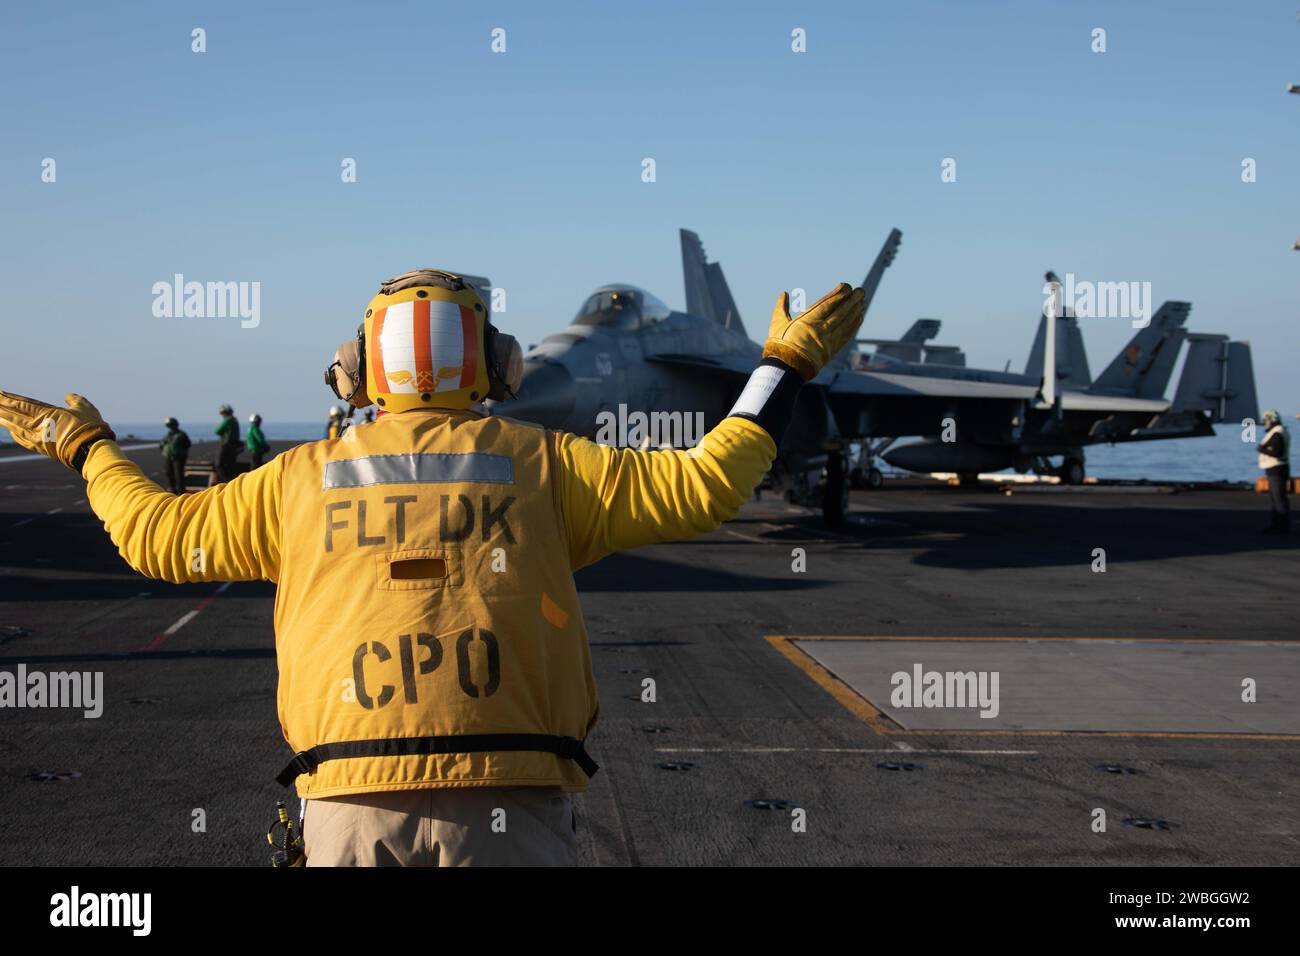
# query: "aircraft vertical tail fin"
{"points": [[1070, 355], [1144, 366], [707, 292], [884, 259], [1219, 378]]}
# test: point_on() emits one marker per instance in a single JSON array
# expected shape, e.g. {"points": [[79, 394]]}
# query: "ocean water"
{"points": [[1221, 457], [205, 431]]}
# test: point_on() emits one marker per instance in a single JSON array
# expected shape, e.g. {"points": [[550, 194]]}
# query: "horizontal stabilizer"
{"points": [[912, 346], [922, 330], [949, 355]]}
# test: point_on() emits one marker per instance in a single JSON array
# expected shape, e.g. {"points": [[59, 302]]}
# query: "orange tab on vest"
{"points": [[553, 613]]}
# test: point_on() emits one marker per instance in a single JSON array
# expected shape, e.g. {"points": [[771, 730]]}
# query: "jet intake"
{"points": [[546, 396]]}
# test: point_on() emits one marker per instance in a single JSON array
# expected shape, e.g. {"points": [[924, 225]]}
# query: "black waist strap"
{"points": [[308, 760]]}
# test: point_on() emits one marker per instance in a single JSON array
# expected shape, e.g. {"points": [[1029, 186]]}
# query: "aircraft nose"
{"points": [[546, 396]]}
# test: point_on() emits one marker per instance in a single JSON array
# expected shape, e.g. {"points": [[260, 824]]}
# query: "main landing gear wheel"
{"points": [[874, 478], [1071, 472]]}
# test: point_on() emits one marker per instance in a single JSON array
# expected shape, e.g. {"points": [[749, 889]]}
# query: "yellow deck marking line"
{"points": [[842, 692], [882, 724]]}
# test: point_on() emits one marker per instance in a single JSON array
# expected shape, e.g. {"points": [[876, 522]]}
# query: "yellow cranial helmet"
{"points": [[426, 346]]}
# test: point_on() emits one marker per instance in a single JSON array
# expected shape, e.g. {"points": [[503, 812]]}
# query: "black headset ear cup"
{"points": [[505, 363], [346, 375], [362, 391]]}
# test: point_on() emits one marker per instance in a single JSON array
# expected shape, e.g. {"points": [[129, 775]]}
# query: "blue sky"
{"points": [[525, 166]]}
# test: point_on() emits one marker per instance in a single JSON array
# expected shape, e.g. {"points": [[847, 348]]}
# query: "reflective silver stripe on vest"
{"points": [[419, 469]]}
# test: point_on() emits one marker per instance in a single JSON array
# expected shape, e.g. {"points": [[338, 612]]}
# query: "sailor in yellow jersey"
{"points": [[435, 681], [334, 428]]}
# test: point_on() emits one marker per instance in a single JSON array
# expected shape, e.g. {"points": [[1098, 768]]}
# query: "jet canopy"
{"points": [[622, 307]]}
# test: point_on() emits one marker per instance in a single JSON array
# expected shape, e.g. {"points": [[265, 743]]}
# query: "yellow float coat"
{"points": [[424, 570]]}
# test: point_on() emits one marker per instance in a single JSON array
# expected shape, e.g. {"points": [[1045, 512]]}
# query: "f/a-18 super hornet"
{"points": [[629, 370], [979, 420]]}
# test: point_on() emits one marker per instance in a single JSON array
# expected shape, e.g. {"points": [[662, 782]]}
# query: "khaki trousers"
{"points": [[467, 826]]}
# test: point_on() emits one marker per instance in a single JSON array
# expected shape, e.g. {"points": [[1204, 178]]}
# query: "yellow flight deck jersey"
{"points": [[428, 631]]}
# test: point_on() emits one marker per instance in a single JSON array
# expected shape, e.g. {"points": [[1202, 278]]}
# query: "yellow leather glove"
{"points": [[62, 433], [807, 343]]}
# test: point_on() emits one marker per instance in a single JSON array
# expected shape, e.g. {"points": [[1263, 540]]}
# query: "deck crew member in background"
{"points": [[435, 675], [256, 441], [1275, 460], [230, 447], [335, 427], [175, 447]]}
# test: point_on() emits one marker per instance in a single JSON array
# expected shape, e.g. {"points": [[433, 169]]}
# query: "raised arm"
{"points": [[619, 498], [230, 532]]}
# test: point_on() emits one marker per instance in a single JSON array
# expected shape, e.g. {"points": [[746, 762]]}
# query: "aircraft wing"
{"points": [[848, 385], [727, 364], [867, 384]]}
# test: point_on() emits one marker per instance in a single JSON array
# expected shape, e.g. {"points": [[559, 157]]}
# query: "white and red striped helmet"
{"points": [[424, 343]]}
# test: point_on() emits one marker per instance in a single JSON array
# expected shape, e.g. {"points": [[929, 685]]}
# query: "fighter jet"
{"points": [[631, 370], [980, 420]]}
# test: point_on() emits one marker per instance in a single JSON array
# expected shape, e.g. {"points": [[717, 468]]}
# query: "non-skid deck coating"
{"points": [[190, 721], [1073, 685]]}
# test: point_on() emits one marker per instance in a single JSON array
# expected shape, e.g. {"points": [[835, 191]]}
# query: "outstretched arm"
{"points": [[619, 498], [227, 533], [230, 532]]}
